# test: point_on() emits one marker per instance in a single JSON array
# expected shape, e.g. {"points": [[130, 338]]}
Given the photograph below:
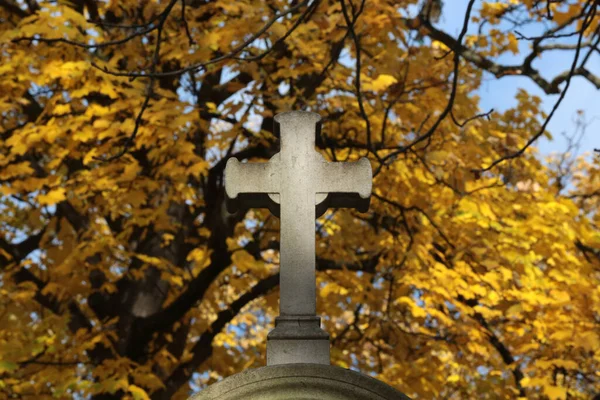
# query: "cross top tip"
{"points": [[298, 117]]}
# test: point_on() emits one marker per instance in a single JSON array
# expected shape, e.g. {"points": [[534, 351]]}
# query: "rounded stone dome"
{"points": [[299, 382]]}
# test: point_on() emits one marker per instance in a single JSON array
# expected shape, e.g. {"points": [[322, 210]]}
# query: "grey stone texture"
{"points": [[297, 185], [300, 382], [298, 339]]}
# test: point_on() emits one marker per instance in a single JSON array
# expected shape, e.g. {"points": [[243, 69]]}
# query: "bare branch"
{"points": [[203, 349], [82, 45], [564, 46], [215, 60], [474, 117], [503, 350], [586, 22], [499, 70], [191, 40], [149, 88], [281, 39], [394, 101], [350, 24], [420, 210], [456, 49], [13, 8]]}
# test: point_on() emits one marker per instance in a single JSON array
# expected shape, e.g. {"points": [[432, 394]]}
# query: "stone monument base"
{"points": [[300, 382], [298, 339]]}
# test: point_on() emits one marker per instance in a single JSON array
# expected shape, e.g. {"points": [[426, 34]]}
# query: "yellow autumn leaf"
{"points": [[486, 211], [196, 255], [52, 197], [334, 288], [479, 290], [382, 82], [70, 69], [416, 311], [560, 296], [437, 156], [198, 169], [439, 45], [211, 106], [62, 109], [212, 40], [73, 15], [18, 147], [591, 341], [176, 280], [101, 123], [513, 43], [279, 29], [138, 393], [130, 172], [149, 260], [561, 335], [243, 260], [14, 170], [555, 392], [167, 238]]}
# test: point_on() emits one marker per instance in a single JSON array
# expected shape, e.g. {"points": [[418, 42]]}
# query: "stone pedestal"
{"points": [[297, 339], [300, 382]]}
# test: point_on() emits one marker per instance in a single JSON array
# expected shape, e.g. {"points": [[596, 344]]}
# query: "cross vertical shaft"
{"points": [[297, 279], [297, 216]]}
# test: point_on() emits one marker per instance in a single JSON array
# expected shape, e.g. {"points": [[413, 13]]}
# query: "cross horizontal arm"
{"points": [[346, 177], [250, 178]]}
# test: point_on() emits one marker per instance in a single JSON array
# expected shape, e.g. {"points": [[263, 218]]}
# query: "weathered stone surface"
{"points": [[295, 179], [298, 339], [297, 185], [300, 382]]}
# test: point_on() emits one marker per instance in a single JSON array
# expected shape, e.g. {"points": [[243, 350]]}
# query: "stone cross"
{"points": [[298, 185]]}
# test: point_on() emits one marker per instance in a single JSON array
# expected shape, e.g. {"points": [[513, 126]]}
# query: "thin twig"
{"points": [[281, 39], [194, 67], [586, 22], [420, 210], [393, 102], [149, 88], [453, 90], [191, 40], [357, 81], [125, 26], [110, 43], [474, 117]]}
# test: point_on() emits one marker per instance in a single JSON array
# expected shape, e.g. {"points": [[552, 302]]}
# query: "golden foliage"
{"points": [[123, 276]]}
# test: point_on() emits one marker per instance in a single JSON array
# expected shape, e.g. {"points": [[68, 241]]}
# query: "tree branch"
{"points": [[350, 23], [202, 350], [457, 45], [150, 87], [13, 8], [504, 352], [194, 67], [498, 70], [586, 22]]}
